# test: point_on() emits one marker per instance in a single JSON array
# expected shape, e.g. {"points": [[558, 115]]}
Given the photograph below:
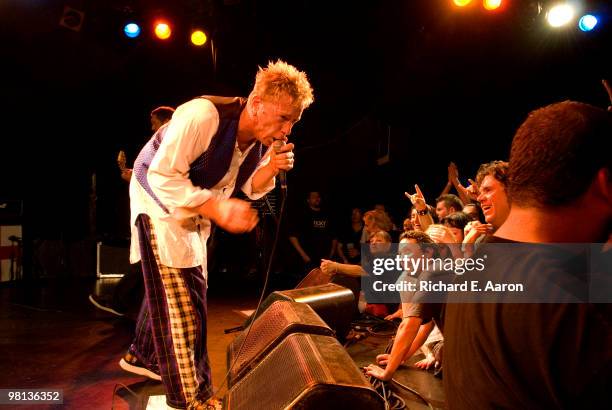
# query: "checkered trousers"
{"points": [[171, 328]]}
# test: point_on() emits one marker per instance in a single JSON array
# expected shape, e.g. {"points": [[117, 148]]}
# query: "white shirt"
{"points": [[181, 233]]}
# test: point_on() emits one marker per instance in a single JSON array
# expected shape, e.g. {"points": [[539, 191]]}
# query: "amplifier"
{"points": [[112, 261]]}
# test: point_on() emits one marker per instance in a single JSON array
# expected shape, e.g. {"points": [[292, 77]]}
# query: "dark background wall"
{"points": [[444, 84]]}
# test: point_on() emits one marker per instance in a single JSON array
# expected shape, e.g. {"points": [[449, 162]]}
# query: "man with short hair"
{"points": [[313, 233], [492, 179], [541, 355], [130, 287], [160, 116], [410, 334], [184, 179], [447, 204]]}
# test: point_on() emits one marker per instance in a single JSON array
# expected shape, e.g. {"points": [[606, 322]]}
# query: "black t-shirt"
{"points": [[351, 238], [527, 355], [314, 230], [426, 311]]}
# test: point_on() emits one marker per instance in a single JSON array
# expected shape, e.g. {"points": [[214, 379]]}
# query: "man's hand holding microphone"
{"points": [[281, 160]]}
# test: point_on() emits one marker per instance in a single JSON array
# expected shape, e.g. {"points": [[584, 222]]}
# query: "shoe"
{"points": [[100, 306], [211, 404], [130, 363]]}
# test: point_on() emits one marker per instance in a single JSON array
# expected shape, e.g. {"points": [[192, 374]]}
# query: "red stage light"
{"points": [[163, 30], [491, 4]]}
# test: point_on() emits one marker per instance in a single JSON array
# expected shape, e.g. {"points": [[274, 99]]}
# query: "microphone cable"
{"points": [[263, 292]]}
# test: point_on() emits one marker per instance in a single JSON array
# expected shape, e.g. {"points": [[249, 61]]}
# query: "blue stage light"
{"points": [[132, 30], [587, 22]]}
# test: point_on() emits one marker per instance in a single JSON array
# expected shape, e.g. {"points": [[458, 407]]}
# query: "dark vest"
{"points": [[208, 169]]}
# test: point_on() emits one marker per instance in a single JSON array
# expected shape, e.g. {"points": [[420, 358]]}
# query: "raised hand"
{"points": [[417, 199], [472, 190], [466, 194], [453, 174]]}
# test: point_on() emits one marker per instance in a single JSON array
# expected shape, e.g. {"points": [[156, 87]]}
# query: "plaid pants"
{"points": [[171, 329]]}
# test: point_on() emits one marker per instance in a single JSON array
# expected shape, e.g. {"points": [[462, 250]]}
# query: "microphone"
{"points": [[282, 175]]}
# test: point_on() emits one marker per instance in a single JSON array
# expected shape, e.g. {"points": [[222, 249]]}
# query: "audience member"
{"points": [[421, 214], [313, 234], [474, 211], [349, 244], [447, 204], [130, 288], [546, 355], [456, 222], [491, 178], [410, 335]]}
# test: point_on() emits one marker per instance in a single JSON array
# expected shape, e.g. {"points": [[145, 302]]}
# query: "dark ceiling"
{"points": [[444, 84]]}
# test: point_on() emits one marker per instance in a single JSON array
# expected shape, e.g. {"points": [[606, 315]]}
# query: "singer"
{"points": [[184, 178]]}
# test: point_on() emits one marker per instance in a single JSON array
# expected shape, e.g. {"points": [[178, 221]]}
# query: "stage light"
{"points": [[163, 31], [560, 14], [491, 4], [198, 38], [461, 3], [72, 18], [132, 30], [587, 22]]}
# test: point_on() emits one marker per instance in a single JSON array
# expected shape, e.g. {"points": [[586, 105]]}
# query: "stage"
{"points": [[53, 338]]}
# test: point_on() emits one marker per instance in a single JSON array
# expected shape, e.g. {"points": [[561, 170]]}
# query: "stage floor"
{"points": [[53, 338]]}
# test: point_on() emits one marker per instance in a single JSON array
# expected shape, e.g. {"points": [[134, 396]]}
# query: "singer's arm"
{"points": [[263, 176], [281, 159]]}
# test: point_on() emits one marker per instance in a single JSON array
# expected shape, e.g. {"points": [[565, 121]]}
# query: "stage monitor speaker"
{"points": [[304, 371], [333, 303], [278, 321], [318, 277]]}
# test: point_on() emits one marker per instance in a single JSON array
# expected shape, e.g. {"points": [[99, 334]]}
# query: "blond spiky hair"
{"points": [[281, 78]]}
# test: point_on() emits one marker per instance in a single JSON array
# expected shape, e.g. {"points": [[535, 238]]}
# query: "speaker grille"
{"points": [[333, 303], [304, 371], [268, 330]]}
